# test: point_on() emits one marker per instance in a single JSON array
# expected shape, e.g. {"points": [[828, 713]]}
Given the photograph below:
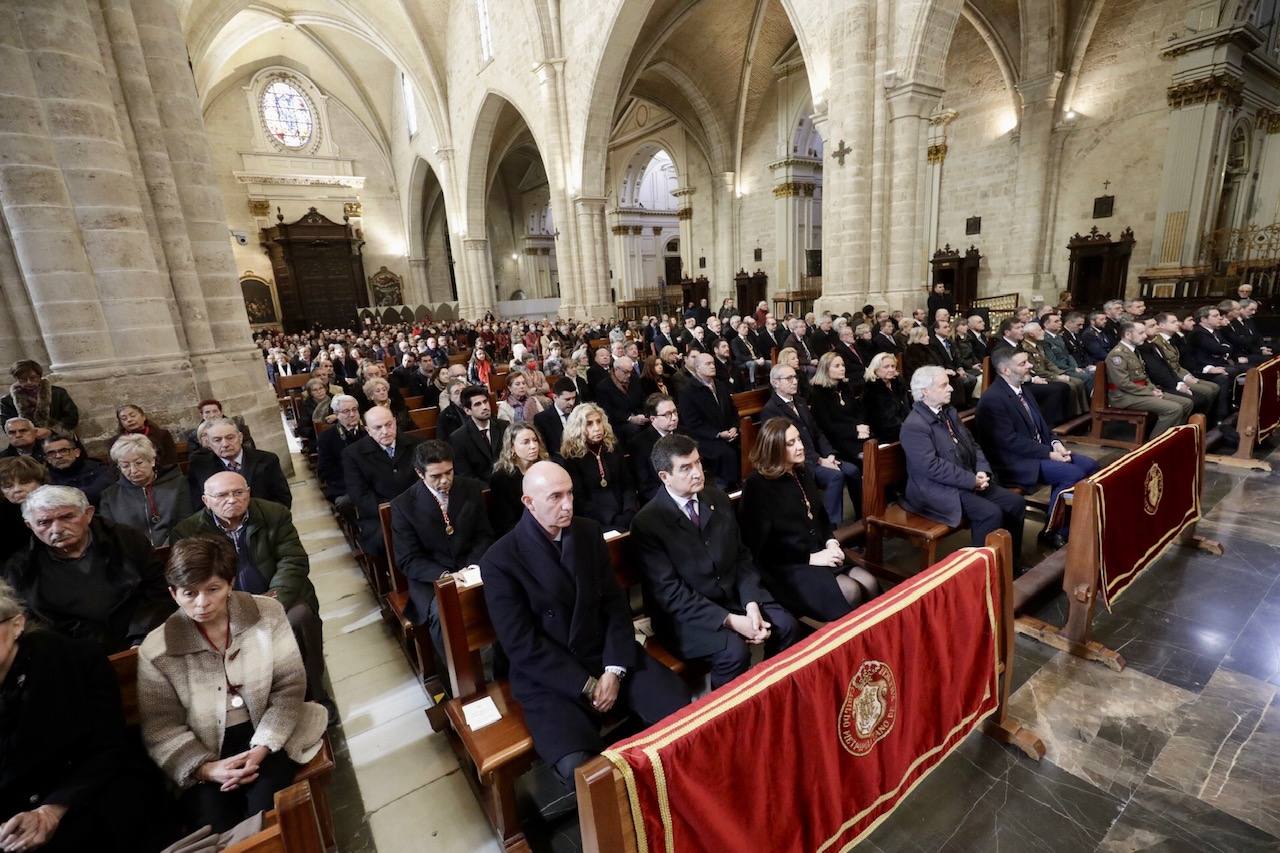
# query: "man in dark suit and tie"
{"points": [[855, 367], [551, 421], [1019, 442], [598, 371], [769, 338], [833, 475], [711, 602], [1240, 331], [663, 337], [1098, 339], [565, 626], [799, 341], [746, 351], [439, 525], [477, 442], [1210, 353], [377, 468], [709, 415], [226, 452], [622, 398], [664, 420], [1054, 398], [883, 340], [333, 442], [948, 477]]}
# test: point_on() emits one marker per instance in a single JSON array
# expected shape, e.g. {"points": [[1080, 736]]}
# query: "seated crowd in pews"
{"points": [[722, 447], [214, 605]]}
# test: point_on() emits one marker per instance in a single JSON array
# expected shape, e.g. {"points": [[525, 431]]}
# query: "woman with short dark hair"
{"points": [[785, 525], [221, 687]]}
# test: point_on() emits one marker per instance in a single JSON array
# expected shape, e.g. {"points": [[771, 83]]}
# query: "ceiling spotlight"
{"points": [[1071, 115]]}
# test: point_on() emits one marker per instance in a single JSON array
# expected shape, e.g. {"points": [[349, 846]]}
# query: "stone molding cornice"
{"points": [[793, 188], [937, 152], [1247, 35], [1217, 87], [355, 182]]}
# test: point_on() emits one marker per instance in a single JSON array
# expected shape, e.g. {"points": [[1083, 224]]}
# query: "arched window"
{"points": [[410, 108], [287, 114], [482, 23]]}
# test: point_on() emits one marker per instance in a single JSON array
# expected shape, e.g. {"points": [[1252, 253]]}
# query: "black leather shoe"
{"points": [[1052, 539]]}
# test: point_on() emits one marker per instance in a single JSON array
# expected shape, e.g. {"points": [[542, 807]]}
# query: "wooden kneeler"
{"points": [[1079, 568], [604, 810], [1261, 394]]}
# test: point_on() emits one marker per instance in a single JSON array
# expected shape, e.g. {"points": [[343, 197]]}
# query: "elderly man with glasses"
{"points": [[270, 560]]}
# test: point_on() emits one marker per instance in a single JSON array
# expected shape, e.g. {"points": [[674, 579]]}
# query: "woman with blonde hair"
{"points": [[592, 454], [884, 397], [377, 391], [522, 445], [785, 525], [838, 408], [791, 358]]}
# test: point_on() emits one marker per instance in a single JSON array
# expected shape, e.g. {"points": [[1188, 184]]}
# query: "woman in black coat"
{"points": [[71, 779], [452, 418], [522, 446], [838, 409], [884, 398], [133, 420], [602, 487], [785, 526]]}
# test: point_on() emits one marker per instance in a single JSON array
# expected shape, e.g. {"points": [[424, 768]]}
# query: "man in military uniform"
{"points": [[1206, 394], [1055, 349], [1043, 367], [1129, 388]]}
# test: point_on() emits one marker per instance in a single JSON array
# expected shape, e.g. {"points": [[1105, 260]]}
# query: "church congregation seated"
{"points": [[211, 410], [24, 440], [592, 455], [376, 469], [226, 451], [838, 407], [708, 414], [132, 420], [144, 497], [1129, 387], [70, 465], [477, 441], [221, 690]]}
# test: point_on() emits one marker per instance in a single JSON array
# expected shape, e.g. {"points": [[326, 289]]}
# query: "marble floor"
{"points": [[1179, 752]]}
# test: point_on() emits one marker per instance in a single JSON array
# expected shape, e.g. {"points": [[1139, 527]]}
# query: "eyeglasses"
{"points": [[65, 451], [222, 496]]}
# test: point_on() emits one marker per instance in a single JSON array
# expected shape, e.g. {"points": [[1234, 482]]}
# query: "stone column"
{"points": [[1267, 205], [725, 204], [909, 107], [589, 213], [936, 156], [476, 295], [684, 215], [1028, 271], [418, 291], [620, 255]]}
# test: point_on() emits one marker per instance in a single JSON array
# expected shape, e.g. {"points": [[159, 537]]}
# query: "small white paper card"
{"points": [[480, 714], [470, 576], [610, 535]]}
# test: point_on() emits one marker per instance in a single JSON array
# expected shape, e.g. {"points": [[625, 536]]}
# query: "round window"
{"points": [[287, 114]]}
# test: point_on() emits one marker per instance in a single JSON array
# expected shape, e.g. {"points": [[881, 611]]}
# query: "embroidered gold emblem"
{"points": [[1152, 489], [870, 707]]}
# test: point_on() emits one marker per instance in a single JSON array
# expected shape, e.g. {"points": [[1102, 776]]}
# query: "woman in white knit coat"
{"points": [[220, 689]]}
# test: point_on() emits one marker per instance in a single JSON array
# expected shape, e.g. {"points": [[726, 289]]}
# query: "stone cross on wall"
{"points": [[841, 152]]}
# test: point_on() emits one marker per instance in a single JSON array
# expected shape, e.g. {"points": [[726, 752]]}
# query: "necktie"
{"points": [[391, 452], [233, 467], [794, 410], [692, 509], [1030, 418]]}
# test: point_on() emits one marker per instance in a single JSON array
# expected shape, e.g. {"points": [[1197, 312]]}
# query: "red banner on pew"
{"points": [[1269, 401], [811, 750], [1146, 498]]}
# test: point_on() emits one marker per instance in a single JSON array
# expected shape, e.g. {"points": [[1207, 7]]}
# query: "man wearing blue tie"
{"points": [[1019, 444]]}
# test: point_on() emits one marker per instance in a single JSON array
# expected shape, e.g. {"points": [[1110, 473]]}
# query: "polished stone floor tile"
{"points": [[1161, 818], [1256, 652], [1174, 649], [985, 798], [377, 695], [398, 756], [442, 817], [1226, 752], [1105, 727]]}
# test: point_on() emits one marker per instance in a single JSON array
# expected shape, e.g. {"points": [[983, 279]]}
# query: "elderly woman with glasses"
{"points": [[150, 500], [221, 689]]}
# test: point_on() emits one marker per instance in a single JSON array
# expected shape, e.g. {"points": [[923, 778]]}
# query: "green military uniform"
{"points": [[1043, 368], [1129, 388], [1203, 392]]}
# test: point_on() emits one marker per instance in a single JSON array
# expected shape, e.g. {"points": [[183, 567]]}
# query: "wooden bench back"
{"points": [[884, 467], [1098, 401], [292, 827], [321, 426], [413, 402], [498, 383], [751, 402], [184, 456], [459, 358], [286, 385], [125, 666], [425, 418], [398, 581], [422, 434]]}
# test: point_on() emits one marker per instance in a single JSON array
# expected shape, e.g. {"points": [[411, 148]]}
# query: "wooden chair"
{"points": [[415, 640], [1100, 414], [884, 468]]}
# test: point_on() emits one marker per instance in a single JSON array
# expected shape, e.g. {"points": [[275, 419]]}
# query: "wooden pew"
{"points": [[425, 418], [1261, 394], [1100, 414], [604, 806], [291, 827], [749, 404], [316, 773], [1078, 568], [413, 402], [184, 456], [498, 754], [884, 468], [415, 640]]}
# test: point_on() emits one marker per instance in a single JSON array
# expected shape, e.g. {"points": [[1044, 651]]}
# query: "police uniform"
{"points": [[1129, 388], [1043, 368]]}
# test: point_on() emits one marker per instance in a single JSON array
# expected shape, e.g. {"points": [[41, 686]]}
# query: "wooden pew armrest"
{"points": [[504, 744]]}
